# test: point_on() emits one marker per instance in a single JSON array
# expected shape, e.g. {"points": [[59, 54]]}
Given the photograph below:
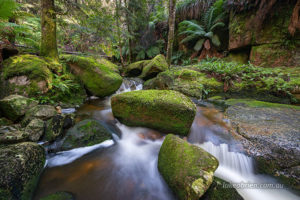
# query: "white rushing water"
{"points": [[136, 155]]}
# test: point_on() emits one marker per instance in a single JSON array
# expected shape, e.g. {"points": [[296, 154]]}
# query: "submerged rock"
{"points": [[15, 106], [20, 167], [184, 80], [164, 110], [270, 133], [186, 168], [99, 78], [26, 75], [86, 133]]}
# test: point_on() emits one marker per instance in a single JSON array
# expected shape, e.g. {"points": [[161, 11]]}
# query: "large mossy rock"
{"points": [[187, 81], [270, 133], [20, 167], [15, 106], [112, 66], [156, 65], [86, 133], [164, 110], [27, 75], [100, 79], [147, 69], [186, 168]]}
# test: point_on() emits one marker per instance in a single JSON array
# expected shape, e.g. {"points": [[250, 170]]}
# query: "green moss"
{"points": [[98, 78], [110, 65], [156, 65], [165, 110], [255, 104], [186, 168], [135, 69]]}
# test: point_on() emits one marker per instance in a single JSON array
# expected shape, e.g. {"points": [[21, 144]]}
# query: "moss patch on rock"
{"points": [[20, 167], [15, 106], [187, 81], [135, 69], [86, 133], [27, 75], [99, 79], [186, 168], [156, 65], [164, 110]]}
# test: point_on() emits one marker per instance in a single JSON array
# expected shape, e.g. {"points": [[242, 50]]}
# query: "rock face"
{"points": [[86, 133], [186, 168], [271, 134], [10, 135], [186, 81], [14, 106], [100, 79], [147, 69], [268, 44], [26, 75], [164, 110], [56, 126], [20, 167], [35, 129]]}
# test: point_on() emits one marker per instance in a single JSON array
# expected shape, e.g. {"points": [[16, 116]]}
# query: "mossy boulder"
{"points": [[20, 167], [100, 79], [15, 106], [164, 110], [156, 65], [56, 126], [270, 133], [35, 129], [135, 69], [187, 81], [186, 168], [112, 66], [217, 191], [86, 133], [27, 75], [11, 135], [59, 196], [43, 112]]}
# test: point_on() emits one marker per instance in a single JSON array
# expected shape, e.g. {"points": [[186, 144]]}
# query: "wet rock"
{"points": [[35, 129], [10, 135], [186, 168], [221, 190], [135, 69], [56, 126], [187, 81], [270, 133], [86, 133], [59, 196], [99, 79], [15, 106], [20, 167], [43, 112], [164, 110]]}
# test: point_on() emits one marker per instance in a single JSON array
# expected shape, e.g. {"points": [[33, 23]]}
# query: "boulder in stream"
{"points": [[86, 133], [20, 167], [164, 110], [270, 133], [43, 112], [186, 168], [99, 78], [15, 106]]}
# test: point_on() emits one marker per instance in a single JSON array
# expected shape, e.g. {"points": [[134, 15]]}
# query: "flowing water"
{"points": [[126, 167]]}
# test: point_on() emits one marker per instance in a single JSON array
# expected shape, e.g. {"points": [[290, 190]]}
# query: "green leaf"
{"points": [[199, 45], [215, 40]]}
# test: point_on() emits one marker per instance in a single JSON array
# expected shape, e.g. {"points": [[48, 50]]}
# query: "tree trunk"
{"points": [[119, 31], [48, 25], [172, 12]]}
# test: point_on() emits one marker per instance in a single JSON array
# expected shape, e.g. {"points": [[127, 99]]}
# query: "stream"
{"points": [[126, 167]]}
